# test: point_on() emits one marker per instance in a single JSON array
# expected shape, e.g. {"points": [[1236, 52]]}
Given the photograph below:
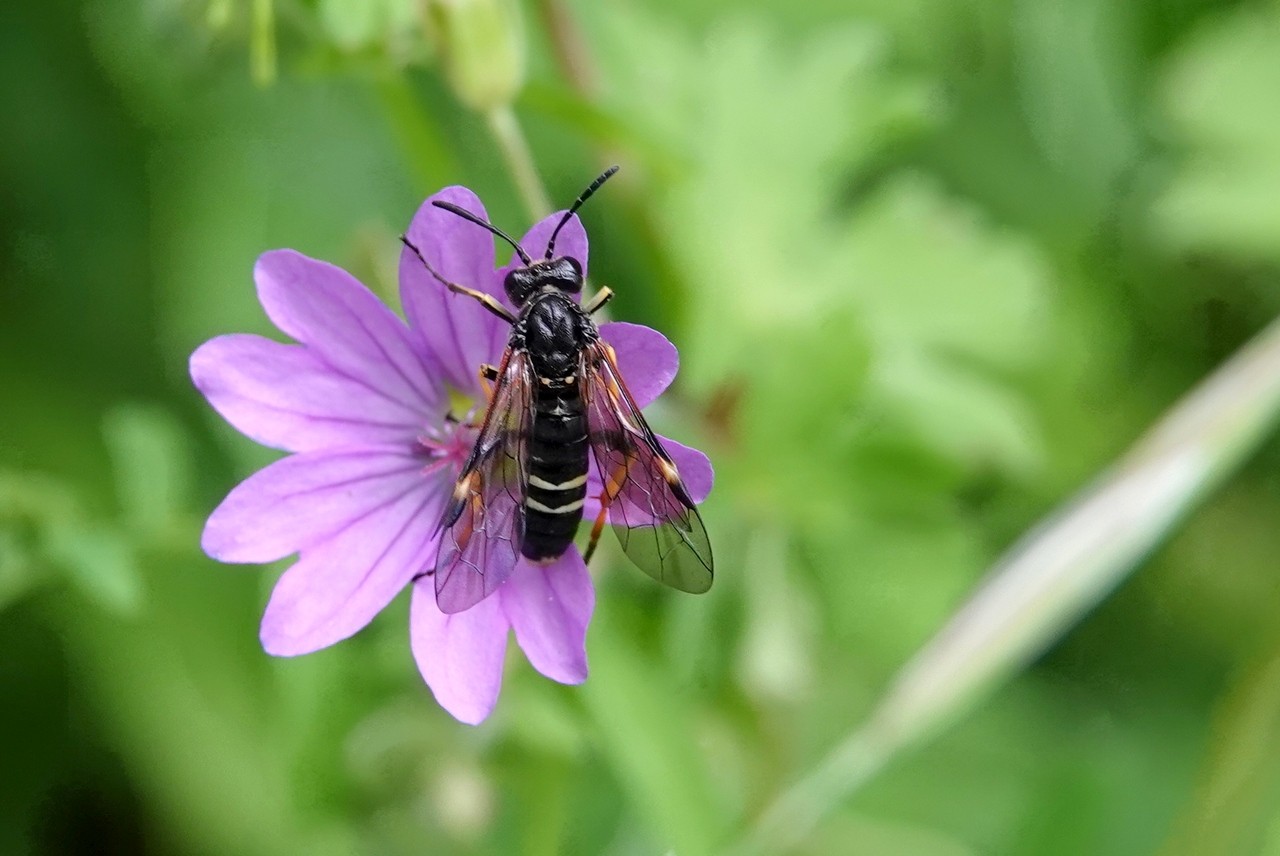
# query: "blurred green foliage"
{"points": [[930, 266]]}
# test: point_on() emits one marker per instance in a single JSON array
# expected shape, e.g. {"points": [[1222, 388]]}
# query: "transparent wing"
{"points": [[648, 506], [483, 523]]}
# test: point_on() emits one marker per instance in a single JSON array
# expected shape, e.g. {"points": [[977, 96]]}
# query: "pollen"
{"points": [[460, 402]]}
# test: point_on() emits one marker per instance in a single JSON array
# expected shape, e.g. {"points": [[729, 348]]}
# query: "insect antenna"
{"points": [[573, 209], [467, 215], [404, 239]]}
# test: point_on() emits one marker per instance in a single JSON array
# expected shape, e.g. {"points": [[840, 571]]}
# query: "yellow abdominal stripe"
{"points": [[561, 509], [569, 485]]}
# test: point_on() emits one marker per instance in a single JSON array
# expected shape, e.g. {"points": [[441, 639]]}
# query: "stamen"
{"points": [[445, 446]]}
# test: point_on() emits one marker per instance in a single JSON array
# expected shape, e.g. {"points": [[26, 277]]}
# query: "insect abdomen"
{"points": [[557, 469]]}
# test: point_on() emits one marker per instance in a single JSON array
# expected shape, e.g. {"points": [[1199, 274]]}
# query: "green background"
{"points": [[931, 266]]}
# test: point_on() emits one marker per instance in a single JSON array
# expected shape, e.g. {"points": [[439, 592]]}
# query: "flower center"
{"points": [[446, 446]]}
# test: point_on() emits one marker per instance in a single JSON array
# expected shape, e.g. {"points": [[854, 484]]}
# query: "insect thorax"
{"points": [[554, 330]]}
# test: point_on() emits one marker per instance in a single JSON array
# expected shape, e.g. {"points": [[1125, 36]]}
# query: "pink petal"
{"points": [[339, 585], [549, 608], [459, 332], [303, 499], [646, 359], [287, 397], [459, 655], [345, 325], [694, 467]]}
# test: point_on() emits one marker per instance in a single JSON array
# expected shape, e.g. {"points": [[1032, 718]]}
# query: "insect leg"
{"points": [[489, 302], [596, 529], [612, 488], [602, 297], [488, 374]]}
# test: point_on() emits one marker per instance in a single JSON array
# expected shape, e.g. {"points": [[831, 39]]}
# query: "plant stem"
{"points": [[506, 130], [570, 49], [262, 51]]}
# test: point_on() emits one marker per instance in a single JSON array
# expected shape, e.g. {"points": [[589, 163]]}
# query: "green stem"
{"points": [[506, 131], [262, 51], [569, 48]]}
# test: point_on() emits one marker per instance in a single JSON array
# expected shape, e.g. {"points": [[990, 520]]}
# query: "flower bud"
{"points": [[482, 47]]}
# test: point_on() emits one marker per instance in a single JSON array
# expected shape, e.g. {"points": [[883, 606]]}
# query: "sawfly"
{"points": [[557, 402]]}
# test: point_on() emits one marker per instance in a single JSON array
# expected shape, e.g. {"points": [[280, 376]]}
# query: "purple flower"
{"points": [[360, 403]]}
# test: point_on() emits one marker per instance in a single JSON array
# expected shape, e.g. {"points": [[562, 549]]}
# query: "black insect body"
{"points": [[554, 331], [558, 400]]}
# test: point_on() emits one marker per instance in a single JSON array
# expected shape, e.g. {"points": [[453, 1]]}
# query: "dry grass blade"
{"points": [[1046, 581]]}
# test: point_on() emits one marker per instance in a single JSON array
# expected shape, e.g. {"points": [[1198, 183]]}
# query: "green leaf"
{"points": [[959, 414], [646, 731], [746, 205], [101, 563], [931, 275], [152, 465], [1220, 96], [1072, 69]]}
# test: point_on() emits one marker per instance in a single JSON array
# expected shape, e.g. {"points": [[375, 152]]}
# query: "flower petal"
{"points": [[287, 397], [346, 325], [694, 467], [304, 499], [646, 359], [459, 332], [549, 607], [571, 242], [339, 585], [460, 655]]}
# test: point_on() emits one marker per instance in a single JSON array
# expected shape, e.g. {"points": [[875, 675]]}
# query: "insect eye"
{"points": [[517, 285], [571, 277]]}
